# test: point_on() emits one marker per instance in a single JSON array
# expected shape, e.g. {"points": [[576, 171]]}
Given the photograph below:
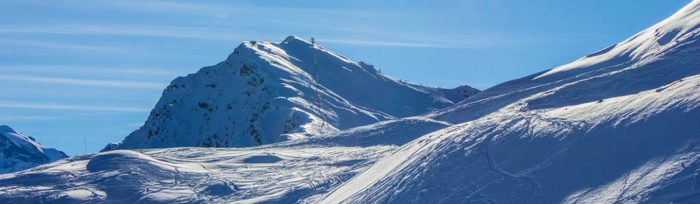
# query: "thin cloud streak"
{"points": [[134, 125], [466, 41], [227, 9], [91, 70], [387, 43], [9, 118], [56, 45], [55, 106], [85, 82], [188, 32], [215, 31], [125, 30]]}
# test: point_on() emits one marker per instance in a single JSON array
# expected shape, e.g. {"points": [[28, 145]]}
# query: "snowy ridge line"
{"points": [[267, 92], [652, 41]]}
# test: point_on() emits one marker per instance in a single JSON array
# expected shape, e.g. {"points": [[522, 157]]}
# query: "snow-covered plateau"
{"points": [[621, 125]]}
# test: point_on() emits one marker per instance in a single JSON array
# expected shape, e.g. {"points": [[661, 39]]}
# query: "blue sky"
{"points": [[93, 69]]}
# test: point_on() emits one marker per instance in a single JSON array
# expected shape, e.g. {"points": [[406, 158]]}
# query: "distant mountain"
{"points": [[460, 93], [19, 152], [267, 92]]}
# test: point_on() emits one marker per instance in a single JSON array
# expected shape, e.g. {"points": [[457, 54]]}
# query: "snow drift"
{"points": [[283, 174]]}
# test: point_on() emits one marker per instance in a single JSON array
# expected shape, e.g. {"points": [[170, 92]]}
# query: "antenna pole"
{"points": [[319, 103]]}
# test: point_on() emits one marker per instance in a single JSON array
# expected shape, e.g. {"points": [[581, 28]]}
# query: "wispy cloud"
{"points": [[85, 82], [128, 30], [57, 106], [134, 125], [97, 70], [250, 19], [58, 45], [225, 34], [196, 33], [9, 118], [228, 8], [387, 43]]}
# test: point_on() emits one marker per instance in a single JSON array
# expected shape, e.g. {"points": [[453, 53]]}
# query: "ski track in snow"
{"points": [[613, 112], [185, 174]]}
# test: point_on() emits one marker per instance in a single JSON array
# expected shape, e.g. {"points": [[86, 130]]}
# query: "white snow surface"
{"points": [[267, 92], [647, 44], [623, 128], [285, 172], [618, 126], [19, 152]]}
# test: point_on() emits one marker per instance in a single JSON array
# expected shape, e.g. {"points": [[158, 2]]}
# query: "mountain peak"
{"points": [[295, 39], [267, 92], [6, 129]]}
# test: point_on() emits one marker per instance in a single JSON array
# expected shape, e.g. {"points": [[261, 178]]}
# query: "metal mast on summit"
{"points": [[317, 85]]}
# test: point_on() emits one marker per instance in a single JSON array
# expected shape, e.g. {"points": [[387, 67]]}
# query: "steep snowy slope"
{"points": [[269, 92], [620, 125], [19, 152], [656, 56]]}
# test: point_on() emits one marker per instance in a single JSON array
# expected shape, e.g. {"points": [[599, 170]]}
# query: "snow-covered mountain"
{"points": [[19, 152], [267, 92], [621, 125], [618, 126]]}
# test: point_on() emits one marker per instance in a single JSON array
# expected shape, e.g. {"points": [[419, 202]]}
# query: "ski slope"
{"points": [[187, 175], [617, 126], [286, 172]]}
